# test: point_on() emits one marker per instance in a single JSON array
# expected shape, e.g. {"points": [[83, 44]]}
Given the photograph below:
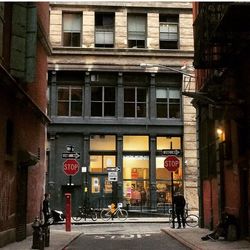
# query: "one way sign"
{"points": [[71, 155]]}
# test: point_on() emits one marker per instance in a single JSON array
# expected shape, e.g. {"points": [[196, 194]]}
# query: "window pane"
{"points": [[72, 22], [96, 93], [141, 95], [76, 109], [162, 110], [76, 94], [174, 111], [109, 94], [165, 143], [129, 94], [95, 163], [141, 110], [129, 110], [161, 94], [135, 143], [96, 109], [95, 185], [75, 40], [174, 94], [63, 94], [63, 109], [102, 142], [109, 109]]}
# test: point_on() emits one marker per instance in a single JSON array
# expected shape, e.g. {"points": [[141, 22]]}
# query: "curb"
{"points": [[181, 240]]}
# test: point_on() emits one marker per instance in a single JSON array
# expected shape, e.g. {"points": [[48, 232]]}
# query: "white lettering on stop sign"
{"points": [[71, 167], [171, 163]]}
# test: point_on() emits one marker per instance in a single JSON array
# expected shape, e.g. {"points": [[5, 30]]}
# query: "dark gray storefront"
{"points": [[126, 132]]}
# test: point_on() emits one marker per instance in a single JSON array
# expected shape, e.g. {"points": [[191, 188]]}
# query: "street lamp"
{"points": [[183, 70]]}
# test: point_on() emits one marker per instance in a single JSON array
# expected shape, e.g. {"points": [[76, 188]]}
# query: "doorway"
{"points": [[100, 190]]}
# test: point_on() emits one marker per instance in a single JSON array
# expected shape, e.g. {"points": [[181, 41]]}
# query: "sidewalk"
{"points": [[190, 237]]}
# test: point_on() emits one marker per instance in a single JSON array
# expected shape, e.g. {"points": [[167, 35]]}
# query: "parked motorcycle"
{"points": [[56, 216]]}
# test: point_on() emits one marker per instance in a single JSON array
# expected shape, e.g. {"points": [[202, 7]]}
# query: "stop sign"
{"points": [[171, 163], [71, 167]]}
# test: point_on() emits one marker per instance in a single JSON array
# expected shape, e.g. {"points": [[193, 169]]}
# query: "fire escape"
{"points": [[221, 34]]}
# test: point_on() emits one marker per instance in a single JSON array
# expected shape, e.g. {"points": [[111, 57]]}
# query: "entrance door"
{"points": [[100, 191]]}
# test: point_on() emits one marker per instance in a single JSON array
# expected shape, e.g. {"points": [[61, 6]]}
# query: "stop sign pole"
{"points": [[171, 163]]}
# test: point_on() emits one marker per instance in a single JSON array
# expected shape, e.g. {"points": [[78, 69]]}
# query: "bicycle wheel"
{"points": [[93, 216], [77, 217], [192, 220], [105, 214], [122, 214]]}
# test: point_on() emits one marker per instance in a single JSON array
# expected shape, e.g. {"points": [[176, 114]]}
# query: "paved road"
{"points": [[125, 236]]}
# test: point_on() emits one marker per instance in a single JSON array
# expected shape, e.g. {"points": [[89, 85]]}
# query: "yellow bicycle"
{"points": [[111, 212]]}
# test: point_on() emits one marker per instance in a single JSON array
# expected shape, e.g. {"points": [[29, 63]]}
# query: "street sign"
{"points": [[171, 163], [113, 169], [71, 155], [171, 152], [71, 167], [112, 176]]}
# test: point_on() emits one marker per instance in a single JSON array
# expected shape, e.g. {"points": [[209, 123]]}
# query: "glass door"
{"points": [[100, 192]]}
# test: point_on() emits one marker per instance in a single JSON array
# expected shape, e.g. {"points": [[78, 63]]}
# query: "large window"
{"points": [[69, 101], [72, 23], [102, 153], [104, 30], [102, 101], [135, 102], [168, 32], [136, 31], [168, 103]]}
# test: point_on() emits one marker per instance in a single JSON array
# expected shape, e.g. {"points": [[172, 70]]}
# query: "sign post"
{"points": [[172, 163]]}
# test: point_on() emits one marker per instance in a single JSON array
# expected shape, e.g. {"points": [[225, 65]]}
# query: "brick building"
{"points": [[114, 113], [23, 69], [222, 101]]}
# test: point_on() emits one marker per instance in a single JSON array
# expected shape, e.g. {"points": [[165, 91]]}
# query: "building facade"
{"points": [[117, 118], [222, 101], [23, 48]]}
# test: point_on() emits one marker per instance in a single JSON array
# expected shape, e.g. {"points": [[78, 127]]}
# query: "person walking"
{"points": [[46, 207], [180, 202]]}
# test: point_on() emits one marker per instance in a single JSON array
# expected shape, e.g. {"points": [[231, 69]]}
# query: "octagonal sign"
{"points": [[71, 167], [171, 163]]}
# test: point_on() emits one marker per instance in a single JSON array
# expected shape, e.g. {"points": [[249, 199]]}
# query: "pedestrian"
{"points": [[179, 203], [227, 228], [46, 207]]}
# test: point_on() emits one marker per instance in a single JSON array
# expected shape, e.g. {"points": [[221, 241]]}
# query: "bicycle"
{"points": [[192, 220], [84, 212], [119, 212]]}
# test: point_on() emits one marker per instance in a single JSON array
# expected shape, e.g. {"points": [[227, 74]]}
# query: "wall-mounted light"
{"points": [[220, 134]]}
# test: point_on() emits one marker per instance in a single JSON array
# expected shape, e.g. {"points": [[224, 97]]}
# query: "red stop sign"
{"points": [[71, 167], [171, 163]]}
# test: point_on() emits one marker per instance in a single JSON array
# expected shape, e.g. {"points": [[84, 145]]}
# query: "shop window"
{"points": [[104, 30], [168, 102], [135, 102], [102, 142], [168, 142], [137, 31], [136, 193], [135, 143], [100, 163], [102, 101], [169, 31], [72, 23], [69, 101]]}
